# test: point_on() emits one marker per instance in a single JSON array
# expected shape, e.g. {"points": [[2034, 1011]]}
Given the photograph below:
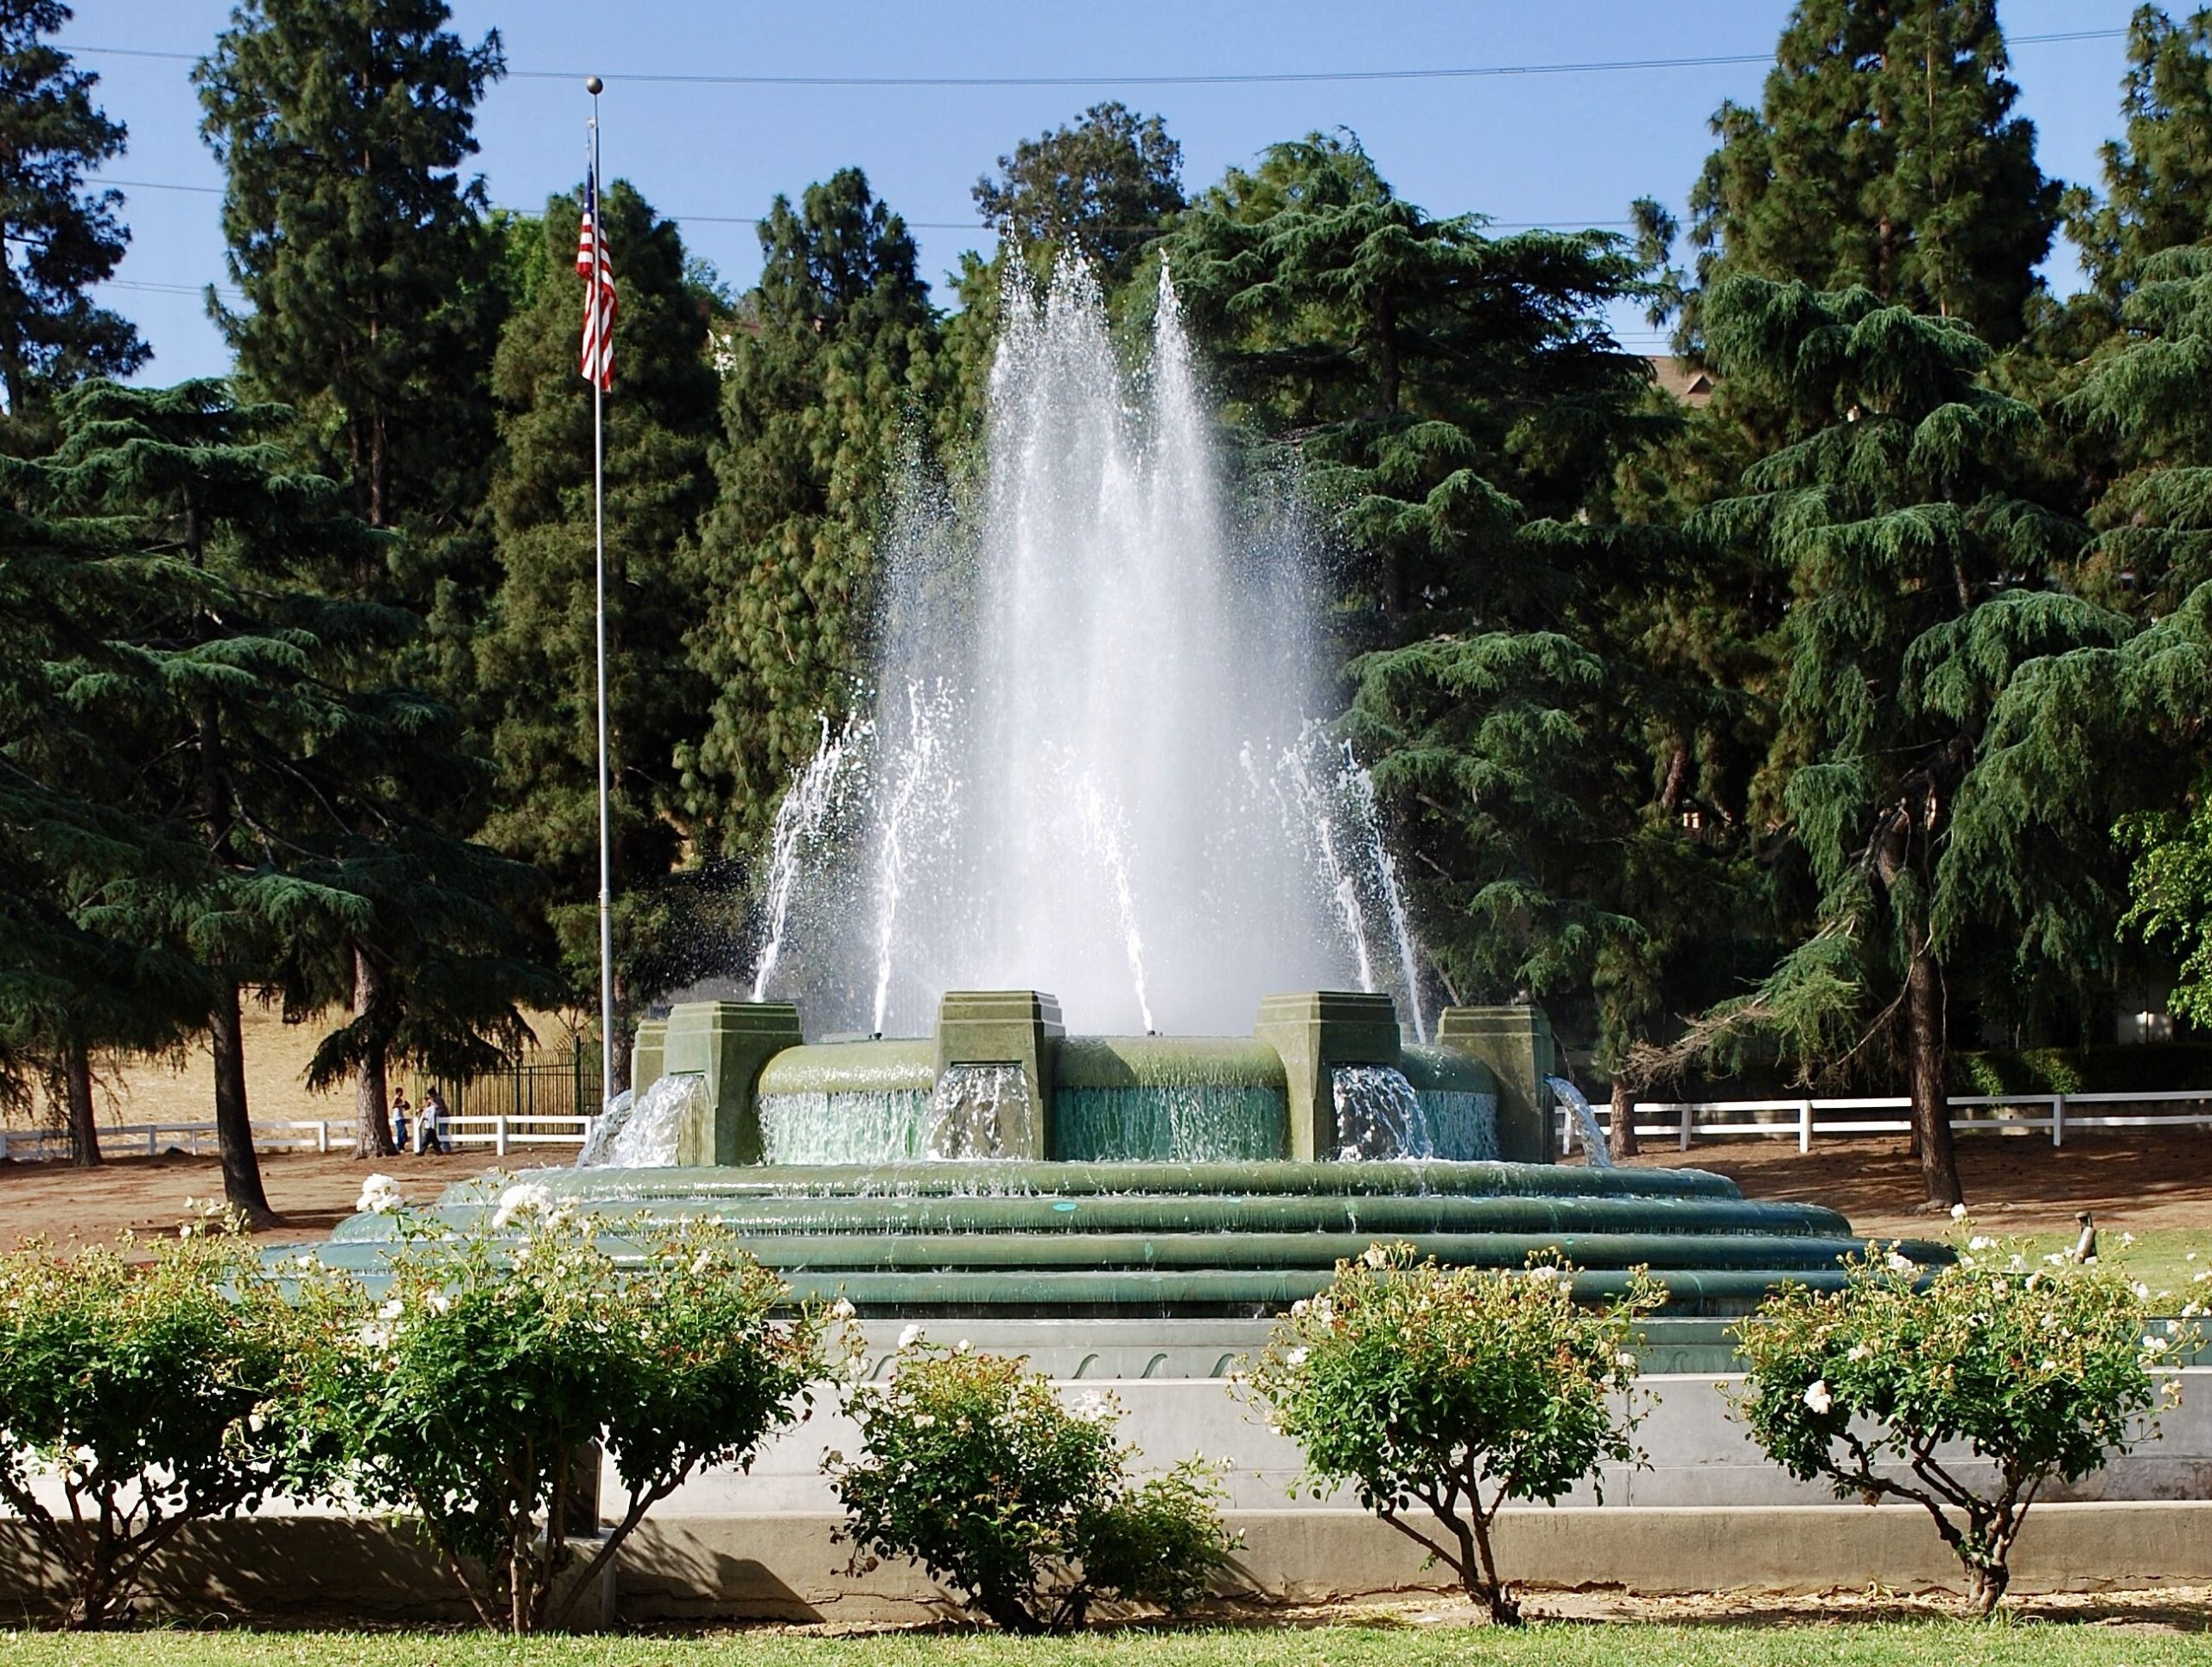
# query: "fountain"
{"points": [[1093, 762]]}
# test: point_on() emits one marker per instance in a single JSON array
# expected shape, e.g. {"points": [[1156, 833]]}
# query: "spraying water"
{"points": [[1077, 668], [798, 827]]}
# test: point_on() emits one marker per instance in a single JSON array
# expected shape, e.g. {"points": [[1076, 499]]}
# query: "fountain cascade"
{"points": [[1090, 762]]}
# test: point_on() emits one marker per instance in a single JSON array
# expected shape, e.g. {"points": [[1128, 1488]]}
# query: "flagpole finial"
{"points": [[593, 86]]}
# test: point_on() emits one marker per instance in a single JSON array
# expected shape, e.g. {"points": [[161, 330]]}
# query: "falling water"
{"points": [[980, 1112], [1583, 1121], [918, 786], [1360, 788], [1074, 663], [640, 1131], [798, 827], [1104, 839], [1378, 1114]]}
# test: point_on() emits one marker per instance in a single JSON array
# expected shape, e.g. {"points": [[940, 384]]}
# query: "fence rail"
{"points": [[1689, 1120], [497, 1130]]}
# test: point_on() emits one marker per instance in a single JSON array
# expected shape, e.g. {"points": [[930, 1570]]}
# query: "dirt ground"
{"points": [[2137, 1180]]}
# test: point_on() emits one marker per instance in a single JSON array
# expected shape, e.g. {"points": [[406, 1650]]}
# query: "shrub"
{"points": [[466, 1392], [972, 1466], [2035, 1368], [151, 1394], [1455, 1390]]}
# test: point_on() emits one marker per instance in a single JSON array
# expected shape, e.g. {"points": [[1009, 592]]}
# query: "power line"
{"points": [[1259, 78], [1576, 221]]}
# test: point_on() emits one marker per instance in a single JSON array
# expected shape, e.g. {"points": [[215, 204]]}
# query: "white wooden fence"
{"points": [[499, 1132], [1801, 1119]]}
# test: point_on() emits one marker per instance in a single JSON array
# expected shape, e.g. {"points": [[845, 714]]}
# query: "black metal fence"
{"points": [[542, 1085]]}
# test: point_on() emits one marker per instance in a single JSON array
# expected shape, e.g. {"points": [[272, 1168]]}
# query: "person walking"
{"points": [[432, 1121], [399, 1109]]}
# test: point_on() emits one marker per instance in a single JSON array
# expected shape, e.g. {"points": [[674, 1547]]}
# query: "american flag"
{"points": [[597, 362]]}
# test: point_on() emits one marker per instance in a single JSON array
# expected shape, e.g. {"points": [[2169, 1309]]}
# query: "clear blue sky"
{"points": [[1564, 150]]}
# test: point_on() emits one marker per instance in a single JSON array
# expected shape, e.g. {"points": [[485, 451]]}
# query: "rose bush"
{"points": [[466, 1388], [1963, 1391], [1455, 1390], [150, 1383], [973, 1466]]}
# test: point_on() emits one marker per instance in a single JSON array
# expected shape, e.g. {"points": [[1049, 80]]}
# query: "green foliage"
{"points": [[1453, 399], [149, 1384], [373, 284], [2154, 521], [470, 1387], [1918, 580], [535, 694], [1964, 1392], [2158, 176], [61, 239], [1104, 187], [1883, 154], [1456, 1391], [971, 1465], [2170, 883], [831, 351]]}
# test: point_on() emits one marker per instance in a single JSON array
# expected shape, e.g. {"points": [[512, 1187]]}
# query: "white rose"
{"points": [[1900, 1262], [1817, 1397], [1858, 1352], [392, 1310], [1958, 1212], [1981, 1242], [841, 1309], [379, 1197], [437, 1301], [527, 1197], [911, 1336], [1376, 1257], [1296, 1356]]}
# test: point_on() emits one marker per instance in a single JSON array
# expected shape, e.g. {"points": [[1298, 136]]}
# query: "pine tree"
{"points": [[2158, 177], [831, 356], [88, 963], [1104, 187], [1921, 584], [536, 688], [57, 238], [1883, 154], [2112, 738], [244, 711], [374, 299], [1457, 405]]}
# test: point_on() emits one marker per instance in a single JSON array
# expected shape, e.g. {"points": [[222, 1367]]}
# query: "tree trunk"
{"points": [[372, 1096], [1620, 1132], [1985, 1588], [233, 1133], [77, 1078], [1931, 1110]]}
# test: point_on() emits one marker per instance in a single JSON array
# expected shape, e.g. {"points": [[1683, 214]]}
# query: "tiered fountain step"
{"points": [[1153, 1239]]}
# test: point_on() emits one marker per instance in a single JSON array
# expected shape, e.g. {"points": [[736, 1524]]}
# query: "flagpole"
{"points": [[593, 86]]}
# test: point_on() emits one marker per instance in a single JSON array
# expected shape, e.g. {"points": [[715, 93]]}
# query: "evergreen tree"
{"points": [[57, 238], [1919, 587], [87, 962], [536, 692], [1457, 405], [832, 353], [243, 710], [1104, 187], [1883, 154], [2113, 737], [2158, 177], [370, 278]]}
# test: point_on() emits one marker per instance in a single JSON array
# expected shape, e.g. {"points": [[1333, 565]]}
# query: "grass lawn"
{"points": [[1936, 1643], [2160, 1257]]}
